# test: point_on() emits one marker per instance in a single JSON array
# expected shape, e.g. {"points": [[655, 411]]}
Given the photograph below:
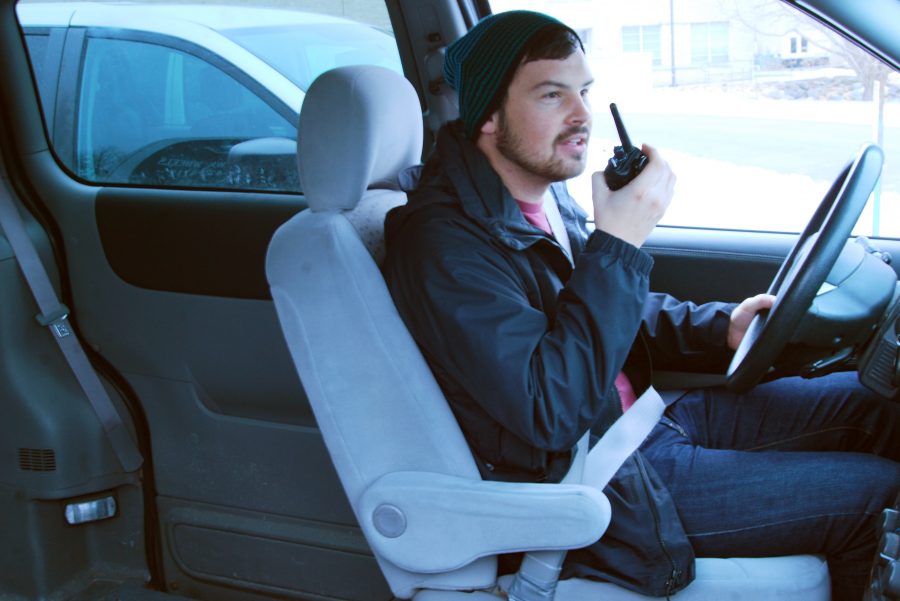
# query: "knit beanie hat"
{"points": [[477, 64]]}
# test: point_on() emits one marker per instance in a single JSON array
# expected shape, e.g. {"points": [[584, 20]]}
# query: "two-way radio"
{"points": [[627, 161]]}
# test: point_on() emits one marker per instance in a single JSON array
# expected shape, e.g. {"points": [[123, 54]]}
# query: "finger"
{"points": [[763, 301], [650, 151], [654, 157], [654, 174]]}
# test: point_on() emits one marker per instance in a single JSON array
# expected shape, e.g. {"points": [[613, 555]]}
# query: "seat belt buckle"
{"points": [[57, 320]]}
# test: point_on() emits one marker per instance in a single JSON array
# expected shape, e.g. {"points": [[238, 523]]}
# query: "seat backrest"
{"points": [[375, 400]]}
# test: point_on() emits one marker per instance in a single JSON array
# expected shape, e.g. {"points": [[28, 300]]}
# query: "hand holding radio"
{"points": [[630, 212]]}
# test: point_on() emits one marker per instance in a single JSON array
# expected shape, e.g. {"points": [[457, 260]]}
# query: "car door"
{"points": [[161, 227]]}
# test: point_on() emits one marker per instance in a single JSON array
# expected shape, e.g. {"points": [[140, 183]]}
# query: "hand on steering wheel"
{"points": [[805, 269]]}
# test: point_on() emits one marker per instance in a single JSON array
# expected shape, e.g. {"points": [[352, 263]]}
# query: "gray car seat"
{"points": [[434, 526]]}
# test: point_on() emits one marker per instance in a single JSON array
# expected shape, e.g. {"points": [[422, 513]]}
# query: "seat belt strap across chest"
{"points": [[54, 315]]}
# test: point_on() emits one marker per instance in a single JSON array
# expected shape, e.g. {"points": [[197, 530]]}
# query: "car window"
{"points": [[193, 95], [154, 115], [38, 43], [37, 51], [758, 113], [325, 47]]}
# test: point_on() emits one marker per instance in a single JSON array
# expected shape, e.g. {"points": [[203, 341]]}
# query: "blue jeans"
{"points": [[792, 467]]}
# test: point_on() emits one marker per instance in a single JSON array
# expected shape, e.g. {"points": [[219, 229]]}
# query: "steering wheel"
{"points": [[804, 269]]}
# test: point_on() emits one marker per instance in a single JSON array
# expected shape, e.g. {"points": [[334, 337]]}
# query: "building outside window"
{"points": [[709, 44], [643, 38]]}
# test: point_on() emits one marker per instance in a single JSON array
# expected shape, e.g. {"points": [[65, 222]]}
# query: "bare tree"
{"points": [[775, 19]]}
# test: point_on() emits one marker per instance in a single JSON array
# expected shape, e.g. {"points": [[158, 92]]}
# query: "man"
{"points": [[539, 331]]}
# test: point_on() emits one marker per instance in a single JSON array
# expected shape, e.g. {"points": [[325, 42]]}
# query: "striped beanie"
{"points": [[478, 64]]}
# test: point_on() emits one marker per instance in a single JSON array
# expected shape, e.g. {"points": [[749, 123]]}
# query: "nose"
{"points": [[581, 110]]}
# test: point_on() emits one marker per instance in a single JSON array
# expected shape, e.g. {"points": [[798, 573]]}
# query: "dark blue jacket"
{"points": [[526, 347]]}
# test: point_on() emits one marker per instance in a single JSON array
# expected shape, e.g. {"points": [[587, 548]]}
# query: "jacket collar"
{"points": [[480, 190]]}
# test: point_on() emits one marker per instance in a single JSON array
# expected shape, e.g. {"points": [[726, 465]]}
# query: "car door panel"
{"points": [[188, 242], [290, 556], [56, 451], [231, 428], [705, 265], [168, 287], [708, 265]]}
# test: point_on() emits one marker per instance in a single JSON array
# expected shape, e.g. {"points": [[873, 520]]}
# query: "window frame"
{"points": [[46, 79]]}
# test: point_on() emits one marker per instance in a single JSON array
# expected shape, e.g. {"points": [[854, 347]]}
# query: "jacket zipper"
{"points": [[672, 581], [674, 425]]}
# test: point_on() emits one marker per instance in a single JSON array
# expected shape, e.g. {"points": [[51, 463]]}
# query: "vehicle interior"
{"points": [[251, 420]]}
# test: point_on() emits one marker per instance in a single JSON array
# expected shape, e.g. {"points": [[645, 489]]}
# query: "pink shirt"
{"points": [[535, 215], [626, 391]]}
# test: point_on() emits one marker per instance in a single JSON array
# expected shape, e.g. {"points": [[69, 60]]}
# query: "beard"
{"points": [[554, 168]]}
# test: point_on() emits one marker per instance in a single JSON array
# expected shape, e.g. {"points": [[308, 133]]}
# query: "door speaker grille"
{"points": [[37, 460]]}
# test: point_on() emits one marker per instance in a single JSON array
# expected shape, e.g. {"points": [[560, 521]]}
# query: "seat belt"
{"points": [[54, 315], [622, 439], [539, 572]]}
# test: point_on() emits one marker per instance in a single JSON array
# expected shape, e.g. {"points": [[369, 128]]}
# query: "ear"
{"points": [[491, 126]]}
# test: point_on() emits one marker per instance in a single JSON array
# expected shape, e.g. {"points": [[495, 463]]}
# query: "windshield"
{"points": [[302, 56]]}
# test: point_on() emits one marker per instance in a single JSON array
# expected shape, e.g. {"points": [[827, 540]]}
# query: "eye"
{"points": [[554, 94]]}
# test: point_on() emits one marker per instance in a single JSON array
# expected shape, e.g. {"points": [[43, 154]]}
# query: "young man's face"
{"points": [[544, 125]]}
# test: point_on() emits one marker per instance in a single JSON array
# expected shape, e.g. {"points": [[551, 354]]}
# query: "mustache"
{"points": [[574, 131]]}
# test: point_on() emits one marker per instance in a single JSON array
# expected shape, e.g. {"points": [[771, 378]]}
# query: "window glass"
{"points": [[194, 95], [150, 114], [37, 51], [38, 44], [322, 47], [756, 107]]}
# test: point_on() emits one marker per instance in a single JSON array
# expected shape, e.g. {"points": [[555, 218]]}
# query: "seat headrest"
{"points": [[359, 126]]}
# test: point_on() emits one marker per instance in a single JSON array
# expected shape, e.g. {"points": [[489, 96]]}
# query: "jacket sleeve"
{"points": [[469, 309], [684, 336]]}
